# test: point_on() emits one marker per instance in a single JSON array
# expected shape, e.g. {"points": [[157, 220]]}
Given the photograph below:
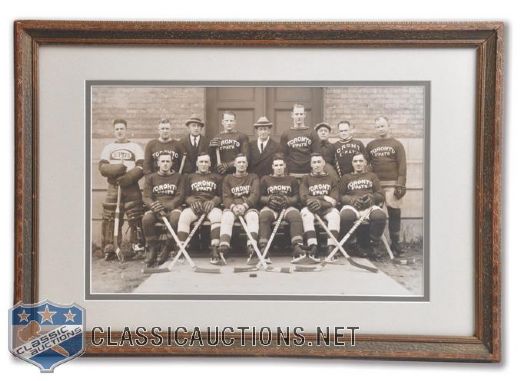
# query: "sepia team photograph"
{"points": [[296, 192]]}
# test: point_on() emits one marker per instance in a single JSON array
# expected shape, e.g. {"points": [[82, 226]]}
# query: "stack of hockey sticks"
{"points": [[339, 246], [182, 251], [262, 264]]}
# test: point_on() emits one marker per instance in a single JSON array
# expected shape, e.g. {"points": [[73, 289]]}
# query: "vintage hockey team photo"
{"points": [[279, 191]]}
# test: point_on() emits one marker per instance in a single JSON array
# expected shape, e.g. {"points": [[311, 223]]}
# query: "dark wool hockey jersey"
{"points": [[168, 189], [344, 151], [284, 185], [154, 148], [231, 144], [297, 145], [318, 186], [388, 160], [203, 187], [327, 151], [355, 185], [240, 189]]}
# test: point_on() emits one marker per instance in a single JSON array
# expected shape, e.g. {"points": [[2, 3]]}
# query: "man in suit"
{"points": [[193, 144], [262, 150]]}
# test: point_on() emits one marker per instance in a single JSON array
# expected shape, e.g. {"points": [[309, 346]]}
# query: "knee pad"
{"points": [[378, 215]]}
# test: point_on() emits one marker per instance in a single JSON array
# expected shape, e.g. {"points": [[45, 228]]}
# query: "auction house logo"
{"points": [[46, 334]]}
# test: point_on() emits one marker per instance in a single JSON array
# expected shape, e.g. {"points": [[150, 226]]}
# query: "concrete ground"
{"points": [[341, 280]]}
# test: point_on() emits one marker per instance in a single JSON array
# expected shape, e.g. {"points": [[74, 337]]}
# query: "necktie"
{"points": [[261, 147], [195, 141]]}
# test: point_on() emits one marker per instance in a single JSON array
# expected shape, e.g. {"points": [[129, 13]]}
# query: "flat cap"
{"points": [[322, 124]]}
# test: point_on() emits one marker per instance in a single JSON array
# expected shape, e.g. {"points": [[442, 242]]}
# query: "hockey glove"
{"points": [[208, 206], [399, 191], [130, 177]]}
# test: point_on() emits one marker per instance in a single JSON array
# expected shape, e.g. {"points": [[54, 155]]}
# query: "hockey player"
{"points": [[203, 190], [163, 194], [164, 144], [229, 143], [240, 193], [346, 147], [122, 164], [387, 157], [277, 192], [298, 143], [323, 131], [193, 144], [358, 191], [262, 150], [319, 194]]}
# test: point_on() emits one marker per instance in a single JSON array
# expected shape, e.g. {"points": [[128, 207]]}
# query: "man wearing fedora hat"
{"points": [[164, 144], [262, 150], [193, 143]]}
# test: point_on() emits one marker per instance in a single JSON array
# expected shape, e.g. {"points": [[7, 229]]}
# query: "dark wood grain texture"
{"points": [[485, 37]]}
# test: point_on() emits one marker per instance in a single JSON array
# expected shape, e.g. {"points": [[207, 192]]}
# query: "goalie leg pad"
{"points": [[134, 212], [107, 224]]}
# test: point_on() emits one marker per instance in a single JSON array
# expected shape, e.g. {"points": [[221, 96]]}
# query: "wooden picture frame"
{"points": [[485, 37]]}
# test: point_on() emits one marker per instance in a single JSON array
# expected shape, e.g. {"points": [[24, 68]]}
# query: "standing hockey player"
{"points": [[240, 192], [229, 143], [387, 157], [262, 150], [203, 190], [193, 144], [122, 164], [359, 191], [319, 194], [298, 143], [278, 192], [163, 194], [164, 144], [326, 148], [346, 147]]}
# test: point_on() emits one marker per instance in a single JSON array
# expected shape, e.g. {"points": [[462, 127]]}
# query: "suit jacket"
{"points": [[261, 163], [190, 164]]}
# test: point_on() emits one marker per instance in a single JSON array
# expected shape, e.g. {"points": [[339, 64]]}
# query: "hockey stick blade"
{"points": [[308, 269], [155, 270], [206, 270], [282, 270], [245, 269], [359, 265]]}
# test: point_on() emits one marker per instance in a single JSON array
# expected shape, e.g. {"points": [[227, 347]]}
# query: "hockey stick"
{"points": [[217, 152], [261, 259], [266, 249], [119, 254], [302, 268], [341, 249], [182, 250], [182, 163]]}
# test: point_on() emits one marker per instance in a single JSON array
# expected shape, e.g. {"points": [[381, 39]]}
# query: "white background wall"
{"points": [[258, 369]]}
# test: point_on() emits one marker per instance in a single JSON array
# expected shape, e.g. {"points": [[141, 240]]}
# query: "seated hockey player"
{"points": [[240, 192], [203, 190], [163, 194], [359, 191], [319, 194], [277, 192]]}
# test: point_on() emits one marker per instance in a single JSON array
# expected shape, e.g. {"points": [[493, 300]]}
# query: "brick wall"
{"points": [[143, 108], [402, 105]]}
